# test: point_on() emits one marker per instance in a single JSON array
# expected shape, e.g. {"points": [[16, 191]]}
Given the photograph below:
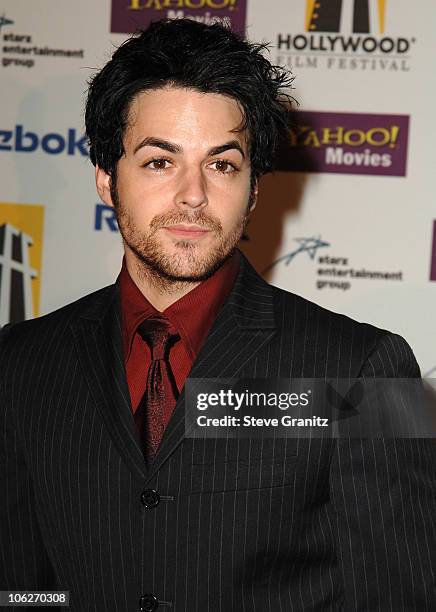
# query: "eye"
{"points": [[224, 166], [158, 164]]}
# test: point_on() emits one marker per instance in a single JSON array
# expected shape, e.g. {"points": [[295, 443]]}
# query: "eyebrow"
{"points": [[171, 147]]}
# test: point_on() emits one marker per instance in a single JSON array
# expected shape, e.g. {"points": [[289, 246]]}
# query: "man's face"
{"points": [[183, 191]]}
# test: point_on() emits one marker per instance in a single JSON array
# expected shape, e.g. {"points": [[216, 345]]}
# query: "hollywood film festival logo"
{"points": [[346, 35], [129, 15], [21, 230]]}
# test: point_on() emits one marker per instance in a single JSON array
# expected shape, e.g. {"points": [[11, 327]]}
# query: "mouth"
{"points": [[187, 231]]}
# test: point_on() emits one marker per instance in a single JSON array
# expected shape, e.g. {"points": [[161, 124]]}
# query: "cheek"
{"points": [[132, 183], [232, 217], [139, 199], [232, 193]]}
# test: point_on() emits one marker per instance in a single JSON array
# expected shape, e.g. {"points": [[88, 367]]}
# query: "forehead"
{"points": [[184, 116]]}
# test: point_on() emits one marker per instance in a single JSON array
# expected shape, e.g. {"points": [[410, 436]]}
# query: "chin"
{"points": [[181, 260], [183, 264], [179, 270]]}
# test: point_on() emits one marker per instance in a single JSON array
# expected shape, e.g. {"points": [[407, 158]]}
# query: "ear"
{"points": [[103, 184], [253, 195]]}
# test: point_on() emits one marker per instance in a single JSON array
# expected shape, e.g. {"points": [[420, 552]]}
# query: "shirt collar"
{"points": [[191, 316]]}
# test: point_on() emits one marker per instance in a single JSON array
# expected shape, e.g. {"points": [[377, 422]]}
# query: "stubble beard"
{"points": [[190, 264]]}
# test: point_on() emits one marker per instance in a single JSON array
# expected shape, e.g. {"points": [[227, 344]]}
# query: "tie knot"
{"points": [[156, 332]]}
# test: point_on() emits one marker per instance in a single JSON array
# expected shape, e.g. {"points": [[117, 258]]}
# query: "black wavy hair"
{"points": [[185, 53]]}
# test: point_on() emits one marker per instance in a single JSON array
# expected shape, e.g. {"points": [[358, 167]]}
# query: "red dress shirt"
{"points": [[191, 317]]}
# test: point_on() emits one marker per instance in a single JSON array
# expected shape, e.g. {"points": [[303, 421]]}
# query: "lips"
{"points": [[187, 231]]}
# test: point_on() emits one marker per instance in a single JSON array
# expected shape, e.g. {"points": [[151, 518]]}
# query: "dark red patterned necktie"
{"points": [[159, 399]]}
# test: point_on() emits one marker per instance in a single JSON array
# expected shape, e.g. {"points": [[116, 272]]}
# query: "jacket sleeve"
{"points": [[24, 563], [383, 499]]}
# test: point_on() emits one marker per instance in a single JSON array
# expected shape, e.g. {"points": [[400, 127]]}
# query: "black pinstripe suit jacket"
{"points": [[242, 525]]}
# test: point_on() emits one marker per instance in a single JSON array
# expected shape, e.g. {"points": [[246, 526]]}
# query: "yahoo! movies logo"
{"points": [[347, 143], [129, 15], [21, 140]]}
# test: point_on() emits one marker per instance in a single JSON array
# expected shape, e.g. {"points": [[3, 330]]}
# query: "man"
{"points": [[103, 494]]}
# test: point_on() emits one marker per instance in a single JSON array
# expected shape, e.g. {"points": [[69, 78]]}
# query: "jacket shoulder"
{"points": [[56, 322], [328, 338], [307, 311]]}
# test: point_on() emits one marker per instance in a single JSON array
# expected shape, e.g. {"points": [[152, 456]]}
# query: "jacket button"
{"points": [[150, 498], [148, 603]]}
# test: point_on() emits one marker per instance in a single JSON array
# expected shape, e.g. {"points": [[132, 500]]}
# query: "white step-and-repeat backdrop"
{"points": [[348, 220]]}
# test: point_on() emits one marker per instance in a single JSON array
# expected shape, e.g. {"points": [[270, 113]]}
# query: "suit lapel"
{"points": [[97, 334], [244, 326]]}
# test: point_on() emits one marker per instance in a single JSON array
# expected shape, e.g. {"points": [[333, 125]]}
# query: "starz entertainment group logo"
{"points": [[330, 271], [20, 50], [346, 35], [4, 21], [306, 245]]}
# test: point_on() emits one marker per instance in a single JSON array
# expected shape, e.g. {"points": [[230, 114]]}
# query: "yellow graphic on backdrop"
{"points": [[324, 15], [310, 5], [21, 240], [382, 14]]}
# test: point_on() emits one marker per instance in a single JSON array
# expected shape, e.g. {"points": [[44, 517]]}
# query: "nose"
{"points": [[191, 191]]}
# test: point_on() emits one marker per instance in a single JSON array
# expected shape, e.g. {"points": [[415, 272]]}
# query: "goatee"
{"points": [[190, 264]]}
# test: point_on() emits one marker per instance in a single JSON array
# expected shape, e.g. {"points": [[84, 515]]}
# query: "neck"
{"points": [[159, 291]]}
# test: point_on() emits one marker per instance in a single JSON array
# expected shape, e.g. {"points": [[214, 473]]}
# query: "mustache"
{"points": [[197, 218]]}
